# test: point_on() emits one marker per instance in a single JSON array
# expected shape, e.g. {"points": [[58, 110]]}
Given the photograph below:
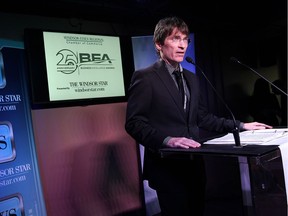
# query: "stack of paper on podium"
{"points": [[254, 137]]}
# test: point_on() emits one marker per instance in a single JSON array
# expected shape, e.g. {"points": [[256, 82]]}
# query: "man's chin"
{"points": [[180, 59]]}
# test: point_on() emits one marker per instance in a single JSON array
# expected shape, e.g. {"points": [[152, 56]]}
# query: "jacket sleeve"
{"points": [[215, 123], [138, 107]]}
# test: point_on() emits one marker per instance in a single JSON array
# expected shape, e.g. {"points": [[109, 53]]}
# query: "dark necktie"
{"points": [[179, 80]]}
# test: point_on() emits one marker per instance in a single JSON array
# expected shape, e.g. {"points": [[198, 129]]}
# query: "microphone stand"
{"points": [[271, 83], [235, 130]]}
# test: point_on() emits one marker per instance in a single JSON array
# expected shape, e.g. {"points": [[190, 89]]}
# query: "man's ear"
{"points": [[158, 46]]}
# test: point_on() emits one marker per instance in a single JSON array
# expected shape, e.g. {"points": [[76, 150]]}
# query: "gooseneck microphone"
{"points": [[235, 130], [246, 66]]}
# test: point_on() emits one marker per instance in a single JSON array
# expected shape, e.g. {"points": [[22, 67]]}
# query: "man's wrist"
{"points": [[166, 140], [241, 126]]}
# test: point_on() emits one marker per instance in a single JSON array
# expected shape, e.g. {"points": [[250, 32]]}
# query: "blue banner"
{"points": [[20, 185]]}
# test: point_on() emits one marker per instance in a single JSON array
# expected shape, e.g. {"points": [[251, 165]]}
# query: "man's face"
{"points": [[174, 47]]}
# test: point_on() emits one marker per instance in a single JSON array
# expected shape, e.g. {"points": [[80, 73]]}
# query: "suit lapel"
{"points": [[169, 84]]}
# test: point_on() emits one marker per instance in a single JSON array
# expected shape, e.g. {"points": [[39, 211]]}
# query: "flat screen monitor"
{"points": [[67, 68]]}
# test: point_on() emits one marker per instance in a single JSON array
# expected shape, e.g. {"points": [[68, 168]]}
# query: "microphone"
{"points": [[235, 130], [271, 83]]}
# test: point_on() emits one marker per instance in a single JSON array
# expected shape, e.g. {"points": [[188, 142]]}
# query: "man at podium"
{"points": [[159, 117]]}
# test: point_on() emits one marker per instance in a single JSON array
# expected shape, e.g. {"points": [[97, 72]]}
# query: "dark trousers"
{"points": [[185, 197], [186, 203], [180, 186]]}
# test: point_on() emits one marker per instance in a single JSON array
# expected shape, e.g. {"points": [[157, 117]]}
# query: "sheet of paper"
{"points": [[254, 137]]}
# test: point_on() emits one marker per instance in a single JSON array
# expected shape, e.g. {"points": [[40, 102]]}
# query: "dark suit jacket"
{"points": [[154, 112]]}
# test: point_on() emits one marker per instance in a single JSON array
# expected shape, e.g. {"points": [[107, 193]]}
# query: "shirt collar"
{"points": [[171, 69]]}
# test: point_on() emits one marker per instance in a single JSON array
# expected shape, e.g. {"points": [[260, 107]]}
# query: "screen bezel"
{"points": [[37, 71]]}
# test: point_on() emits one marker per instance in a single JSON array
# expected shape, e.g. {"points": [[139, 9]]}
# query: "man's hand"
{"points": [[182, 142], [256, 126]]}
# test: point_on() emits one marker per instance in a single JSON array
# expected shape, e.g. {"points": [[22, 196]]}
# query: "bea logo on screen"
{"points": [[70, 61]]}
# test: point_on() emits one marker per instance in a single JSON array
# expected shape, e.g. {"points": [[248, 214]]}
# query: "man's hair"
{"points": [[165, 27]]}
